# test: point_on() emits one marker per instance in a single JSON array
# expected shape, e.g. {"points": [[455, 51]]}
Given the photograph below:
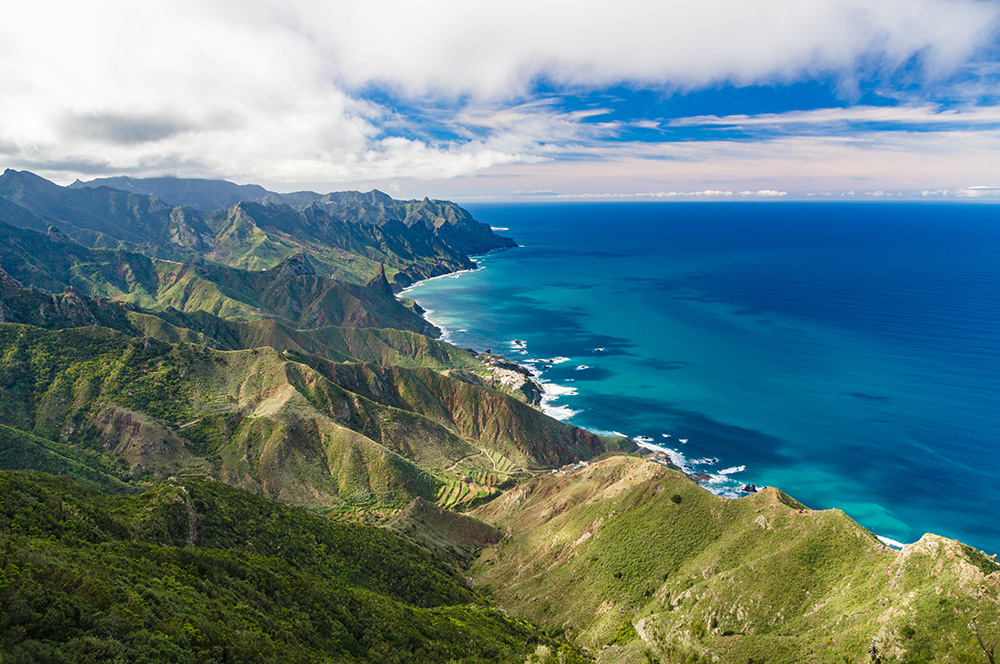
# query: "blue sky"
{"points": [[837, 99]]}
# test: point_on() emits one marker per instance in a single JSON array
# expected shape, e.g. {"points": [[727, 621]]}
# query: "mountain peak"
{"points": [[298, 265], [27, 177], [379, 282]]}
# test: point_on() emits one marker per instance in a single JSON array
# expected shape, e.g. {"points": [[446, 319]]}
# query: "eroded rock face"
{"points": [[144, 444], [951, 557]]}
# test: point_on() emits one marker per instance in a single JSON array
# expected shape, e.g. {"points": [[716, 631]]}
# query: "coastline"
{"points": [[718, 483], [551, 392]]}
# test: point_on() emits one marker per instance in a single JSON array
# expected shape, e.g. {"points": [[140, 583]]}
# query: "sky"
{"points": [[515, 100]]}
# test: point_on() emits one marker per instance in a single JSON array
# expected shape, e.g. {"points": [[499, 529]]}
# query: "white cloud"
{"points": [[978, 191], [895, 161], [494, 49], [887, 115], [261, 90]]}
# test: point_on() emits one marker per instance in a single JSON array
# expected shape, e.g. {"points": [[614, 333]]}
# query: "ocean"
{"points": [[846, 353]]}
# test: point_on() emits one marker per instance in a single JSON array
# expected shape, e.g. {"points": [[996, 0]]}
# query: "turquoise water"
{"points": [[847, 353]]}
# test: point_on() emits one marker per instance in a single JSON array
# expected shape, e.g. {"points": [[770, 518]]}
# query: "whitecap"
{"points": [[553, 392], [560, 413], [450, 275], [890, 542], [676, 457], [665, 435], [734, 469], [558, 360], [610, 434], [582, 367]]}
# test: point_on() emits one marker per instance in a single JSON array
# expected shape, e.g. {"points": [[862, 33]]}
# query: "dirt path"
{"points": [[469, 456]]}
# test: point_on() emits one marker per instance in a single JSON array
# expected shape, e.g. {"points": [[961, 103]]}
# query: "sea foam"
{"points": [[890, 542], [553, 392]]}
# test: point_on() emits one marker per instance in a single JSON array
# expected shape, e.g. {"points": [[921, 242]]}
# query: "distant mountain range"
{"points": [[347, 235]]}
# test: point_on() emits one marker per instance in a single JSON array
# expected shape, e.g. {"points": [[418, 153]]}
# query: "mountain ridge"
{"points": [[349, 234], [661, 569]]}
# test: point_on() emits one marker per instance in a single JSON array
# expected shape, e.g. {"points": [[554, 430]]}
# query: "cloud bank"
{"points": [[295, 92]]}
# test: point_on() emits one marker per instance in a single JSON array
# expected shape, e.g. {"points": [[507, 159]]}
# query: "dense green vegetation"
{"points": [[195, 571]]}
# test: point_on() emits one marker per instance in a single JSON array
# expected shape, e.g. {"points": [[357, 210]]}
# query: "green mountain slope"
{"points": [[107, 218], [31, 306], [340, 344], [203, 195], [292, 291], [348, 235], [455, 538], [195, 571], [287, 426], [635, 558], [20, 450], [494, 420], [255, 236], [443, 219]]}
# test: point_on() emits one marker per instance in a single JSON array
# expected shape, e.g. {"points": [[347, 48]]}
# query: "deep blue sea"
{"points": [[847, 353]]}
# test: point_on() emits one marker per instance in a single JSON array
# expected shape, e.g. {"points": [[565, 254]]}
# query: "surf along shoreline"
{"points": [[717, 482]]}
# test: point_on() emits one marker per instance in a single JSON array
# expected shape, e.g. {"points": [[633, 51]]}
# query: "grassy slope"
{"points": [[759, 578], [455, 538], [200, 572], [31, 306], [494, 420], [261, 419], [339, 344], [20, 450]]}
